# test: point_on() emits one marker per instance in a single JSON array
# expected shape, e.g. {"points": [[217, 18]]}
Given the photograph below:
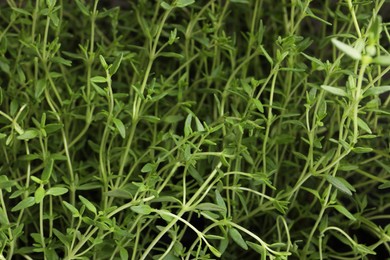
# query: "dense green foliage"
{"points": [[184, 129]]}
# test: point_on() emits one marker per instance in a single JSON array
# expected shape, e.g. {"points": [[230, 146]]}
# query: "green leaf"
{"points": [[21, 11], [373, 91], [258, 248], [209, 207], [172, 36], [338, 184], [163, 213], [184, 3], [48, 170], [236, 236], [363, 125], [173, 119], [187, 125], [385, 185], [166, 6], [120, 126], [63, 238], [115, 66], [362, 149], [39, 194], [334, 90], [142, 209], [148, 167], [99, 90], [88, 204], [82, 7], [51, 128], [98, 79], [348, 50], [214, 251], [382, 60], [61, 60], [75, 212], [27, 202], [240, 1], [28, 134], [258, 104], [171, 55], [220, 201], [123, 254], [344, 211], [103, 62], [57, 191], [199, 126]]}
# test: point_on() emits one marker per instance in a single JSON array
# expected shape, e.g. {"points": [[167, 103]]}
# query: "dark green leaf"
{"points": [[344, 211], [48, 170], [338, 184], [115, 66]]}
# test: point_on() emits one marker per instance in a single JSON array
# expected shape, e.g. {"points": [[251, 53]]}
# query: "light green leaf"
{"points": [[148, 167], [258, 248], [142, 209], [57, 191], [39, 194], [363, 125], [103, 62], [240, 1], [348, 50], [382, 60], [88, 204], [209, 207], [376, 91], [258, 104], [236, 236], [120, 126], [220, 201], [214, 251], [362, 149], [82, 7], [75, 212], [199, 126], [187, 125], [123, 253], [166, 6], [184, 3], [28, 134], [334, 90], [27, 202], [98, 79]]}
